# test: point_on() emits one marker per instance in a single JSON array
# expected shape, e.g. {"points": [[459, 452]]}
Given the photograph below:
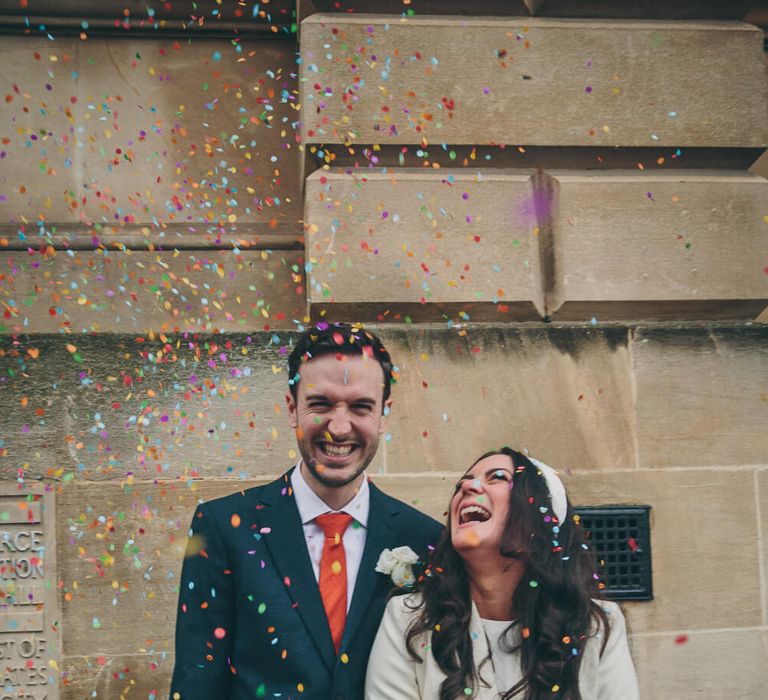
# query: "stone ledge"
{"points": [[658, 245], [532, 81], [139, 291], [423, 243]]}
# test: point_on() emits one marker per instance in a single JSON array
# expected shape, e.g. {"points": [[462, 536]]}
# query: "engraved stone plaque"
{"points": [[29, 640]]}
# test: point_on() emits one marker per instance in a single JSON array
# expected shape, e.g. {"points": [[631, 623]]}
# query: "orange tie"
{"points": [[333, 572]]}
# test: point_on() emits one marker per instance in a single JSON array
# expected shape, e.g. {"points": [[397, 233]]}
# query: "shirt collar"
{"points": [[310, 505]]}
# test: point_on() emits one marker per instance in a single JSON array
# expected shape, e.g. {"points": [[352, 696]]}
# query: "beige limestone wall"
{"points": [[668, 417]]}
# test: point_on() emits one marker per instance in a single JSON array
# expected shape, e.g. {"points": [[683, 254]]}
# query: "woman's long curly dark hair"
{"points": [[553, 601]]}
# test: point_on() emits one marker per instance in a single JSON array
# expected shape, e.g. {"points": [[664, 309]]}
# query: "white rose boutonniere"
{"points": [[398, 563]]}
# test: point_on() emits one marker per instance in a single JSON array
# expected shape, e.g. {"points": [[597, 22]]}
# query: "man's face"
{"points": [[338, 417]]}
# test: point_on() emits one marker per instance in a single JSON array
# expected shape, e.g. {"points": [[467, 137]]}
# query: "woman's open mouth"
{"points": [[473, 514]]}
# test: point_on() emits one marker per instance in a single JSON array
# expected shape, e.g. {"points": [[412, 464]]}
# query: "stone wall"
{"points": [[549, 211]]}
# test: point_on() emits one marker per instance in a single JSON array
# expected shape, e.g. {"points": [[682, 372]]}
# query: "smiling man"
{"points": [[279, 594]]}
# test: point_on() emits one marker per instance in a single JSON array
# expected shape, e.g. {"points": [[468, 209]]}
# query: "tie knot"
{"points": [[333, 525]]}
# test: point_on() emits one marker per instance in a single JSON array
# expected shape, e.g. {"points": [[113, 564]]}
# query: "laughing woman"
{"points": [[508, 608]]}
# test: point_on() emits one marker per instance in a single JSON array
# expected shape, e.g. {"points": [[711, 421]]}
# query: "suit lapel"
{"points": [[288, 549], [379, 536]]}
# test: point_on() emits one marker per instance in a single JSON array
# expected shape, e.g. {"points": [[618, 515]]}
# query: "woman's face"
{"points": [[480, 505]]}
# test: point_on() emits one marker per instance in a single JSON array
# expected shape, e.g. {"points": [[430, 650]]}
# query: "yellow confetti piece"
{"points": [[344, 658]]}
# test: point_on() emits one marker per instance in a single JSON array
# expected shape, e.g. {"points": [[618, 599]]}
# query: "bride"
{"points": [[508, 607]]}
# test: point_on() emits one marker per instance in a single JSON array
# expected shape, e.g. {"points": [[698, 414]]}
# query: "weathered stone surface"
{"points": [[151, 131], [430, 493], [213, 406], [33, 131], [700, 395], [565, 394], [762, 499], [101, 407], [381, 242], [145, 674], [121, 548], [141, 291], [658, 245], [104, 407], [729, 664], [705, 572], [535, 81]]}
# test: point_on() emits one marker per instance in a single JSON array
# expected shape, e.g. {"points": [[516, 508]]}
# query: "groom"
{"points": [[279, 596]]}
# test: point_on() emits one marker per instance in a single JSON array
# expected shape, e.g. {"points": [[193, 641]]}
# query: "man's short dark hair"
{"points": [[339, 338]]}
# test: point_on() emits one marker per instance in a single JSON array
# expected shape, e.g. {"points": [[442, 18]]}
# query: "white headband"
{"points": [[556, 489]]}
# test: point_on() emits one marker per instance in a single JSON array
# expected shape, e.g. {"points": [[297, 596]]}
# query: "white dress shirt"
{"points": [[310, 505]]}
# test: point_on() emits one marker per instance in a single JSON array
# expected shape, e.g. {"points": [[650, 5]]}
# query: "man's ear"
{"points": [[385, 411], [290, 402]]}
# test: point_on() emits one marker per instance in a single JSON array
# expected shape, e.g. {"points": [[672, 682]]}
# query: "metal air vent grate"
{"points": [[620, 537]]}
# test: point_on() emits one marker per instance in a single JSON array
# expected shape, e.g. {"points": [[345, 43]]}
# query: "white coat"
{"points": [[394, 675]]}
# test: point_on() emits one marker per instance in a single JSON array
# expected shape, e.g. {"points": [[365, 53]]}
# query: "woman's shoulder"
{"points": [[405, 605], [608, 606], [613, 614], [401, 611], [611, 609]]}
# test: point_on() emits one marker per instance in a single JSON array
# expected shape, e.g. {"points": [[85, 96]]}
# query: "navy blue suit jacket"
{"points": [[251, 622]]}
